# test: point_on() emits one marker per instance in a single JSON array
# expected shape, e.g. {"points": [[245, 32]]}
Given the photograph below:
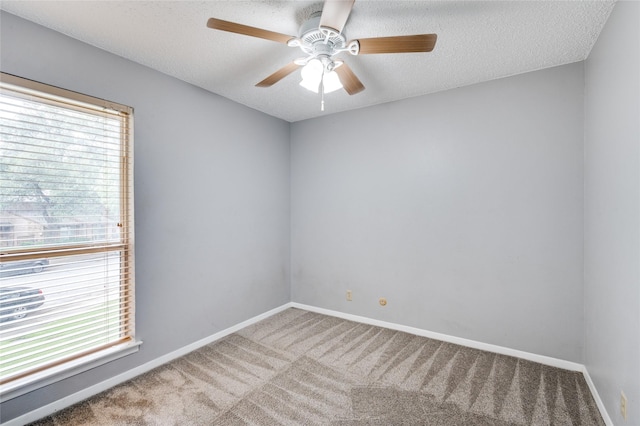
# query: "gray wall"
{"points": [[612, 212], [462, 208], [212, 198]]}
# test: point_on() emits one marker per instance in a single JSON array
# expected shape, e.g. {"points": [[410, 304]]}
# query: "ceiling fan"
{"points": [[321, 39]]}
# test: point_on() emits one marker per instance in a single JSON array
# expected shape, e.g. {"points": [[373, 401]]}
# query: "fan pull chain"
{"points": [[322, 91]]}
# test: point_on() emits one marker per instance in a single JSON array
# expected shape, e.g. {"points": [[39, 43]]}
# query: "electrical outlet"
{"points": [[349, 295], [623, 405], [383, 301]]}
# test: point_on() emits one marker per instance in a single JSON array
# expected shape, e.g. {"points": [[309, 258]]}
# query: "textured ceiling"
{"points": [[477, 41]]}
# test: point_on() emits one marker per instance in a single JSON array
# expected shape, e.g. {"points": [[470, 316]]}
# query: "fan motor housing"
{"points": [[314, 41]]}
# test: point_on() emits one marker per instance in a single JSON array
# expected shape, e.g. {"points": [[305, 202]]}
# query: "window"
{"points": [[66, 231]]}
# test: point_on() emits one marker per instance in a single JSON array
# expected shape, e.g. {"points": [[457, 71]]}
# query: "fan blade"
{"points": [[335, 14], [278, 75], [232, 27], [398, 44], [349, 81]]}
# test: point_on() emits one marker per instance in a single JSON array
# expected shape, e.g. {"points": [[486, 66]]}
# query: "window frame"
{"points": [[82, 361]]}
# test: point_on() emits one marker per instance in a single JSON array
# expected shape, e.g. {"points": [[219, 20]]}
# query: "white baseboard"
{"points": [[541, 359], [67, 401], [128, 375], [596, 397]]}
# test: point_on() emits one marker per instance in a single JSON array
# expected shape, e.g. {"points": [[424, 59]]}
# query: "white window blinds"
{"points": [[66, 227]]}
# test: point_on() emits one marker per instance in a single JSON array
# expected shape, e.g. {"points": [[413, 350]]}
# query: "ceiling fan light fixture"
{"points": [[331, 82], [314, 72]]}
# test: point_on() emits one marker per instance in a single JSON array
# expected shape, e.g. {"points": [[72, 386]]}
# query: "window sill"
{"points": [[61, 372]]}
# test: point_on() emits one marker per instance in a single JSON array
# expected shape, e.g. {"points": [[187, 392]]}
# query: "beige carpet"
{"points": [[303, 368]]}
